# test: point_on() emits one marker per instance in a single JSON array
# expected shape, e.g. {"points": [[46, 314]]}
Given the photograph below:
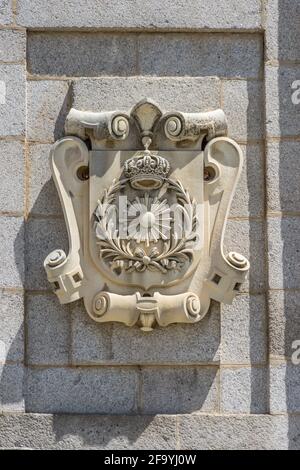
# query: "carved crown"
{"points": [[146, 171]]}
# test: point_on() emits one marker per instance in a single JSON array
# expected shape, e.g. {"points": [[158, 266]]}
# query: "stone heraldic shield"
{"points": [[145, 196]]}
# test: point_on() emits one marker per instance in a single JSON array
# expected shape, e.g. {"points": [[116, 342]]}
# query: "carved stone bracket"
{"points": [[146, 117], [145, 200]]}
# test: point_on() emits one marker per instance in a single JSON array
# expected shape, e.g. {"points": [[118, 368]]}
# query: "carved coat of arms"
{"points": [[145, 196]]}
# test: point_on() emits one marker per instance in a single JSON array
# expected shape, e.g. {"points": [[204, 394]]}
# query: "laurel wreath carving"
{"points": [[122, 255]]}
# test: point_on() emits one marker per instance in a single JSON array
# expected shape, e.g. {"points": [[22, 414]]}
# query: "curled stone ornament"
{"points": [[100, 305]]}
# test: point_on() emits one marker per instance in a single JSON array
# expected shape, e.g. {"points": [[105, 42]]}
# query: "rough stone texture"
{"points": [[12, 122], [48, 103], [284, 388], [87, 54], [11, 387], [282, 113], [232, 56], [284, 253], [244, 390], [244, 331], [114, 343], [283, 173], [236, 432], [179, 389], [192, 94], [12, 176], [12, 245], [48, 330], [43, 199], [242, 103], [6, 14], [249, 195], [11, 326], [283, 29], [12, 45], [82, 390], [284, 307], [246, 237], [42, 236], [113, 14]]}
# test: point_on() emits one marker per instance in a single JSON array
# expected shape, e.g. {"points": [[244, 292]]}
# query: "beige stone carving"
{"points": [[145, 196]]}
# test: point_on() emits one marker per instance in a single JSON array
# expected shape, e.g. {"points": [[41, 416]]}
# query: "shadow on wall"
{"points": [[257, 275]]}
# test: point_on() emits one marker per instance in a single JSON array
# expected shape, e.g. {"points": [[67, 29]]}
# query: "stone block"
{"points": [[284, 255], [82, 54], [179, 389], [251, 432], [82, 390], [42, 236], [12, 176], [231, 56], [246, 237], [12, 45], [48, 330], [6, 12], [283, 174], [294, 432], [125, 14], [48, 103], [236, 432], [284, 322], [12, 245], [248, 200], [105, 94], [44, 199], [11, 326], [11, 388], [244, 330], [12, 107], [283, 30], [282, 106], [244, 390], [284, 388], [95, 343], [44, 431], [242, 104]]}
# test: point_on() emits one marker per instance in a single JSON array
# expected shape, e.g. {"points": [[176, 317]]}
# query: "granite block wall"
{"points": [[229, 381]]}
